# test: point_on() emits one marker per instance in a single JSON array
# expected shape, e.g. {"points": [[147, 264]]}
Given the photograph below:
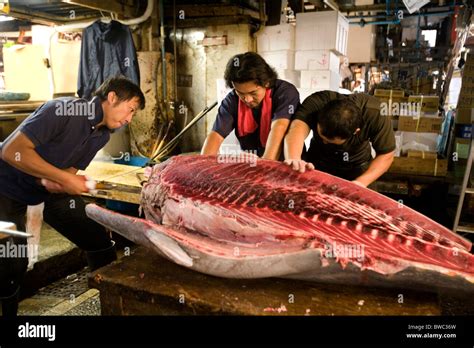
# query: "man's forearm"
{"points": [[275, 139], [294, 140], [71, 170], [28, 161], [212, 144], [379, 166]]}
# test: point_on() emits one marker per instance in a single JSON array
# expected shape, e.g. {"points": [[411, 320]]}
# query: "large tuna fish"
{"points": [[262, 219]]}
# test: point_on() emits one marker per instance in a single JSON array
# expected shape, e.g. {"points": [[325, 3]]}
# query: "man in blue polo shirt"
{"points": [[259, 108], [39, 162]]}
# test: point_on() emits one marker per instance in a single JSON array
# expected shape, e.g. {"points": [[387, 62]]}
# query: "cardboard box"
{"points": [[317, 60], [326, 30], [419, 166], [466, 101], [422, 154], [320, 80], [466, 90], [292, 76], [390, 93], [467, 81], [276, 38], [361, 46], [419, 124], [468, 70], [464, 116], [394, 106], [280, 60], [428, 103]]}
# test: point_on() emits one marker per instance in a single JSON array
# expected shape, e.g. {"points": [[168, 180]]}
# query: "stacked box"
{"points": [[466, 95], [321, 31], [420, 124], [291, 76], [465, 107], [428, 103], [320, 80], [276, 38], [317, 60], [320, 40], [280, 60], [276, 44]]}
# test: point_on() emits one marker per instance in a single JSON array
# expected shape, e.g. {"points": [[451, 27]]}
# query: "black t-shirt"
{"points": [[355, 152], [285, 101]]}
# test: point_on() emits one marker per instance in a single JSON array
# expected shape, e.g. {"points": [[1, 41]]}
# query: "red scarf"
{"points": [[246, 122]]}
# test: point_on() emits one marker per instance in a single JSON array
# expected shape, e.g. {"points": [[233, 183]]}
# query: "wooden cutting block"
{"points": [[124, 178], [144, 283]]}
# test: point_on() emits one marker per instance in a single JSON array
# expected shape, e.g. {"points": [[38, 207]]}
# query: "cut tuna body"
{"points": [[238, 220]]}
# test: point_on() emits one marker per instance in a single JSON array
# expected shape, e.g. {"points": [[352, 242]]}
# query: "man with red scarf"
{"points": [[259, 108]]}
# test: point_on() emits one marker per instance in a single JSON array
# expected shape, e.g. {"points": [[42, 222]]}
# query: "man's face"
{"points": [[335, 141], [119, 113], [250, 93]]}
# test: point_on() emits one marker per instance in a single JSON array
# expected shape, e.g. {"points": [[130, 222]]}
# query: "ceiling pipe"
{"points": [[129, 22], [363, 23]]}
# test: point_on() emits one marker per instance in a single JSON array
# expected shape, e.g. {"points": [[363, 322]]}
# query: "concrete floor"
{"points": [[57, 285]]}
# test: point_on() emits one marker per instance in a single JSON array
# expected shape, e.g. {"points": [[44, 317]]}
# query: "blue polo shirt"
{"points": [[64, 133]]}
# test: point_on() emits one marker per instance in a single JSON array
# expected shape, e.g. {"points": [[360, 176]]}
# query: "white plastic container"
{"points": [[280, 60], [317, 60], [276, 38], [292, 76], [318, 80], [322, 30]]}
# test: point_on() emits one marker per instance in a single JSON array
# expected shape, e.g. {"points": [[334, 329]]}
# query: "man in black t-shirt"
{"points": [[259, 108], [343, 127]]}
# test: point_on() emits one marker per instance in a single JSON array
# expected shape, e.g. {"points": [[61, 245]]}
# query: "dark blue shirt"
{"points": [[285, 101], [64, 134]]}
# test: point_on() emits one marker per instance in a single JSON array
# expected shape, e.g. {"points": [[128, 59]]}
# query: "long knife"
{"points": [[15, 233], [184, 130]]}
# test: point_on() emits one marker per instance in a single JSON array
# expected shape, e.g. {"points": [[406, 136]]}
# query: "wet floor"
{"points": [[67, 296]]}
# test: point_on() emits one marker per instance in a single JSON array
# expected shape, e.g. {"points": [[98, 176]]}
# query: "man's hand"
{"points": [[358, 183], [75, 184], [299, 165]]}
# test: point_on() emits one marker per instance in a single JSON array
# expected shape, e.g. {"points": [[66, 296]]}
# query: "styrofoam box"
{"points": [[280, 60], [321, 30], [305, 93], [320, 80], [276, 38], [292, 76], [316, 60]]}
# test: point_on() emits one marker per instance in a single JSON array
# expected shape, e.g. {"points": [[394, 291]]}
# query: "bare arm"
{"points": [[275, 139], [212, 144], [379, 166], [20, 153], [294, 142]]}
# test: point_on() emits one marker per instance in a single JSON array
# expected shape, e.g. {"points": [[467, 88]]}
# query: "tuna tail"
{"points": [[141, 232]]}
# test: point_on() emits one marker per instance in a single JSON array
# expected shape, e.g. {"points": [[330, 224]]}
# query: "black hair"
{"points": [[339, 118], [247, 67], [124, 88]]}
